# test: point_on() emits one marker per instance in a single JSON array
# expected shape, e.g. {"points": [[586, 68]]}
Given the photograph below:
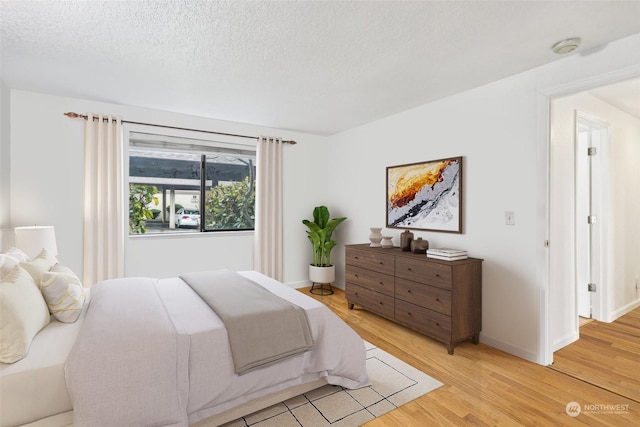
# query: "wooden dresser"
{"points": [[440, 299]]}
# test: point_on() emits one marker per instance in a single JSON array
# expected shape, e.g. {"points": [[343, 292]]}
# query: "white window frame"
{"points": [[200, 138]]}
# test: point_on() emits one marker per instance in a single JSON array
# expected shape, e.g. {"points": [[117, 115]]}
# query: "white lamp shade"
{"points": [[35, 238]]}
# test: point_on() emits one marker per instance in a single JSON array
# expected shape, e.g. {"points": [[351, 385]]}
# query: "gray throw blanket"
{"points": [[262, 327]]}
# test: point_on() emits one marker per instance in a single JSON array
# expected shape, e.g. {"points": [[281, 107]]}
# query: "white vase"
{"points": [[386, 242], [375, 237]]}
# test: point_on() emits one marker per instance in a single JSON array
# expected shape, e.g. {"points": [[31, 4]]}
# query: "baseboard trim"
{"points": [[531, 356], [565, 341], [624, 310]]}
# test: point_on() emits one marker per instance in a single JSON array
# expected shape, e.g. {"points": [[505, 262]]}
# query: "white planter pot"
{"points": [[322, 274]]}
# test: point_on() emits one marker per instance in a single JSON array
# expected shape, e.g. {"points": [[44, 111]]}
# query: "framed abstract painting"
{"points": [[426, 195]]}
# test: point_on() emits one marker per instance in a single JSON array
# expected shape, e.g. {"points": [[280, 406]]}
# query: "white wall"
{"points": [[485, 126], [499, 130], [5, 153], [47, 188], [623, 246]]}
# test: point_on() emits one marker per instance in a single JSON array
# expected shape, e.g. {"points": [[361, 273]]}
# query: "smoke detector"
{"points": [[566, 46]]}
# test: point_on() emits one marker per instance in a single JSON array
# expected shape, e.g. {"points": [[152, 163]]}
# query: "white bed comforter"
{"points": [[151, 352]]}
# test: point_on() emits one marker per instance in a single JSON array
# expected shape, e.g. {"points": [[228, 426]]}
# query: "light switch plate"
{"points": [[509, 218]]}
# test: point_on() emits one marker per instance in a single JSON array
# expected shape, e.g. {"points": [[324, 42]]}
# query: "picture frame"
{"points": [[425, 195]]}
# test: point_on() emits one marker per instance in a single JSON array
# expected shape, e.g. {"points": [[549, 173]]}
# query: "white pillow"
{"points": [[7, 264], [63, 292], [23, 313], [10, 259], [39, 265], [18, 254]]}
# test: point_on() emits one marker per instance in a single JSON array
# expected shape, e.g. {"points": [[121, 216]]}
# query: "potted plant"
{"points": [[319, 233]]}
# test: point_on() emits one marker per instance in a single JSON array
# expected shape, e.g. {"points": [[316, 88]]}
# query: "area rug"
{"points": [[394, 383]]}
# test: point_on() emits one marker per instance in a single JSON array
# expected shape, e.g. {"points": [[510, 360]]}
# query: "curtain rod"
{"points": [[84, 116]]}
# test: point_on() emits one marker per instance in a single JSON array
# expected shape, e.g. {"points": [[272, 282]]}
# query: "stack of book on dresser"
{"points": [[447, 254]]}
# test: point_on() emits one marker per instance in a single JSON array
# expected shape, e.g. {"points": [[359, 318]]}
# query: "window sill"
{"points": [[191, 234]]}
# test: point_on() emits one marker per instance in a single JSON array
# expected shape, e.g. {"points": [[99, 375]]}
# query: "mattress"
{"points": [[163, 357], [34, 387]]}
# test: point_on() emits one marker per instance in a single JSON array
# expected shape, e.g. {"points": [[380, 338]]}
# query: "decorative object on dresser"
{"points": [[375, 237], [405, 240], [321, 271], [426, 195], [440, 299], [419, 246], [447, 254], [386, 242]]}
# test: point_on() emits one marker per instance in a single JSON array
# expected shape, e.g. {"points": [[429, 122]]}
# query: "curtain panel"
{"points": [[103, 199], [268, 225]]}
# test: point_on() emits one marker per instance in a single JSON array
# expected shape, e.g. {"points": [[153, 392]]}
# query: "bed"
{"points": [[173, 366], [34, 387]]}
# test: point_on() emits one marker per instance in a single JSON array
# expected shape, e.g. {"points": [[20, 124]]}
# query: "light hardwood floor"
{"points": [[607, 355], [483, 386]]}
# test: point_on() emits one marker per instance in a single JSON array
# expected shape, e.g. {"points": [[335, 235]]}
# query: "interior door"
{"points": [[590, 135]]}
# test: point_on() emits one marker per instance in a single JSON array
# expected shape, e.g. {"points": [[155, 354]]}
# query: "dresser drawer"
{"points": [[420, 271], [426, 296], [424, 320], [371, 260], [374, 301], [369, 279]]}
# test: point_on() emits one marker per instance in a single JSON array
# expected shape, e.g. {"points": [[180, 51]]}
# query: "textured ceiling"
{"points": [[314, 66]]}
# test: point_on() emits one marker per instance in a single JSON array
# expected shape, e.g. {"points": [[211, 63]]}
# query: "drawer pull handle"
{"points": [[409, 291], [381, 263], [380, 303], [409, 268], [381, 283], [437, 275], [438, 299]]}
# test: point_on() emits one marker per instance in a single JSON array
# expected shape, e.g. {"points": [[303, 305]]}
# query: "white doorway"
{"points": [[612, 127], [592, 137]]}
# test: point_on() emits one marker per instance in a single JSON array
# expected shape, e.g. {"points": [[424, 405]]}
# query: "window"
{"points": [[180, 182]]}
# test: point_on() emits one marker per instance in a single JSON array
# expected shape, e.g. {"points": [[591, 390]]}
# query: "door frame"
{"points": [[544, 98]]}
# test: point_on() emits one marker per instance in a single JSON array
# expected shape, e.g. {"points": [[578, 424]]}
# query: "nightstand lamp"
{"points": [[33, 239]]}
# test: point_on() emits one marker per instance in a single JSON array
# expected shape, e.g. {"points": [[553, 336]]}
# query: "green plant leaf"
{"points": [[319, 234], [321, 216]]}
